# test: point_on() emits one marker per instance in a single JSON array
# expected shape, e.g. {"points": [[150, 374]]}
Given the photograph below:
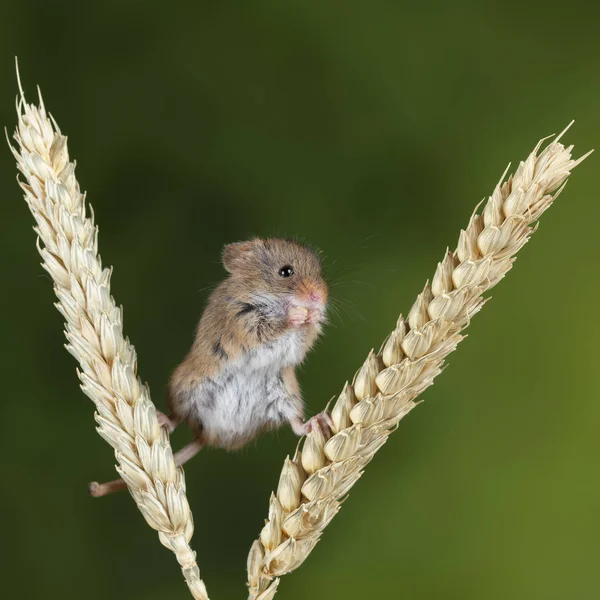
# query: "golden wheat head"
{"points": [[386, 387], [125, 414]]}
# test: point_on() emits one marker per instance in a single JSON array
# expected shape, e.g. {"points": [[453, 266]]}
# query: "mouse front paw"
{"points": [[297, 316], [315, 316], [321, 421]]}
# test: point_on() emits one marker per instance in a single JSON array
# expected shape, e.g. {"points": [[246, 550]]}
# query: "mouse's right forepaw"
{"points": [[297, 316], [321, 421]]}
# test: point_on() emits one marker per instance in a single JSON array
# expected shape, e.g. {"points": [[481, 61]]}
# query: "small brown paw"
{"points": [[93, 489]]}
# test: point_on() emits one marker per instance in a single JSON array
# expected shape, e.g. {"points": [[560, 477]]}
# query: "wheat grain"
{"points": [[385, 388], [125, 414]]}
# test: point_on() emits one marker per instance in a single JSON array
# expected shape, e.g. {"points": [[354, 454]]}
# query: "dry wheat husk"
{"points": [[126, 417], [313, 483]]}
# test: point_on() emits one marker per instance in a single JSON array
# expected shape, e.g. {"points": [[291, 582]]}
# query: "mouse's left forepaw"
{"points": [[315, 316]]}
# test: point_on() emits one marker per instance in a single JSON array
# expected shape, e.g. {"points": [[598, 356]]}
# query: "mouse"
{"points": [[238, 379]]}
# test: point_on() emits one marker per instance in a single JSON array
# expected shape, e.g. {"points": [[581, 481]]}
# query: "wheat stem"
{"points": [[125, 414], [386, 387]]}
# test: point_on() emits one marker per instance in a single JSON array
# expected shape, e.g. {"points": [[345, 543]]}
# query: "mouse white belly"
{"points": [[248, 395]]}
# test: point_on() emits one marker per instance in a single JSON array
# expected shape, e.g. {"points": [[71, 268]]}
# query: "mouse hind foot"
{"points": [[97, 490]]}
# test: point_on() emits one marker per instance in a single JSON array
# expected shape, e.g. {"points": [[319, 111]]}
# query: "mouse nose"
{"points": [[316, 297], [313, 295]]}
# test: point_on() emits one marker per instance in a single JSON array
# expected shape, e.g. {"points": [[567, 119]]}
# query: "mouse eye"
{"points": [[286, 271]]}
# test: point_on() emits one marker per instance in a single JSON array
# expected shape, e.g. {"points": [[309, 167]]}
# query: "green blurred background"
{"points": [[370, 129]]}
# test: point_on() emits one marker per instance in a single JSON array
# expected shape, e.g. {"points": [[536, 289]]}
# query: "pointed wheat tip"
{"points": [[8, 139], [557, 193], [540, 143], [57, 128], [581, 158], [503, 175], [19, 79], [476, 210], [559, 136], [326, 409], [41, 100], [298, 450]]}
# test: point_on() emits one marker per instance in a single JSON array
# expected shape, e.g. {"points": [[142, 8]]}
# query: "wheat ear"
{"points": [[125, 414], [313, 483]]}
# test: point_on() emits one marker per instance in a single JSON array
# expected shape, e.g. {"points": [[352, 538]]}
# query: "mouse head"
{"points": [[281, 268]]}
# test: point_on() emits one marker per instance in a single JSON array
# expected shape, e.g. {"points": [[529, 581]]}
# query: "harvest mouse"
{"points": [[238, 379]]}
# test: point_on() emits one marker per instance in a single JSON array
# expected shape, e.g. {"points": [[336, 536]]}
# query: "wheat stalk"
{"points": [[125, 414], [313, 483]]}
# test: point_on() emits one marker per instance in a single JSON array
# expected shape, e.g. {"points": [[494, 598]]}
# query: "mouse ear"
{"points": [[233, 254]]}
